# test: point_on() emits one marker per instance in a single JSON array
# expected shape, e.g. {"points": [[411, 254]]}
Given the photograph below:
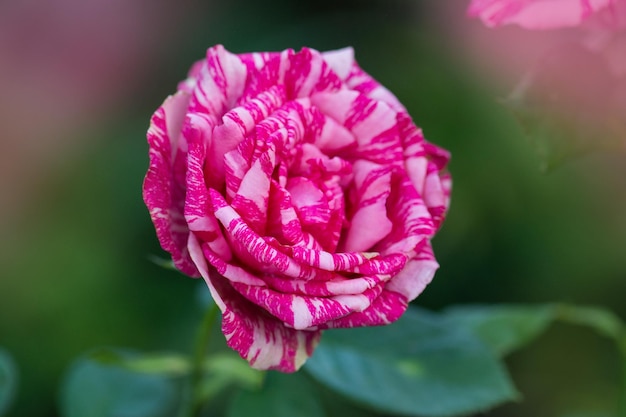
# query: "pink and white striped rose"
{"points": [[302, 192]]}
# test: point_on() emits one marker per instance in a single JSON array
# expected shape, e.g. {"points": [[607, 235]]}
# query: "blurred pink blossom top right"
{"points": [[551, 14], [599, 24]]}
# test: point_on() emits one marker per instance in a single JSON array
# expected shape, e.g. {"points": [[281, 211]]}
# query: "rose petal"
{"points": [[416, 275], [415, 157], [372, 187], [309, 73], [251, 200], [252, 249], [229, 271], [309, 201], [265, 70], [411, 219], [219, 83], [372, 122], [305, 312], [198, 209], [339, 286], [265, 342], [326, 175], [238, 123], [385, 309], [164, 184], [283, 222], [260, 339], [367, 263], [341, 61], [424, 163], [333, 137]]}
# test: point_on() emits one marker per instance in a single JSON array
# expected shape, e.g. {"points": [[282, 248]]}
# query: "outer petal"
{"points": [[264, 341], [416, 275], [425, 164], [199, 212], [259, 338], [392, 302], [304, 311], [164, 184], [385, 309], [411, 219], [219, 83], [339, 286], [341, 61]]}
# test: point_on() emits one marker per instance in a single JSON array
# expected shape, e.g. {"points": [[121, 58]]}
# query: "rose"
{"points": [[300, 190], [547, 14]]}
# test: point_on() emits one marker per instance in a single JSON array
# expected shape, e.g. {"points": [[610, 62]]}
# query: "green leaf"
{"points": [[220, 370], [419, 365], [165, 364], [504, 328], [282, 395], [228, 369], [603, 321], [8, 381], [95, 386]]}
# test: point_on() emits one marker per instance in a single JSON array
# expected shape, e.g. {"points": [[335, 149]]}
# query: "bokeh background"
{"points": [[79, 82]]}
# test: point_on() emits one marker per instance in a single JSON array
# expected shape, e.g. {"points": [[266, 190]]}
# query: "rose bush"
{"points": [[301, 191]]}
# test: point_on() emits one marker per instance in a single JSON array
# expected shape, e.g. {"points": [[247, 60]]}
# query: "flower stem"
{"points": [[193, 405]]}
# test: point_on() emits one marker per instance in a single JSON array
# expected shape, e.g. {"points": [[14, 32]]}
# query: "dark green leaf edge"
{"points": [[602, 321], [8, 381], [507, 390], [96, 386]]}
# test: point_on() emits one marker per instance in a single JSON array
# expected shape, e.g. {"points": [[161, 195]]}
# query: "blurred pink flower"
{"points": [[547, 14], [602, 22], [579, 72], [301, 191]]}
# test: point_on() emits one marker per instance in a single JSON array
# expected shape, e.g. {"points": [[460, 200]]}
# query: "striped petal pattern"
{"points": [[301, 191]]}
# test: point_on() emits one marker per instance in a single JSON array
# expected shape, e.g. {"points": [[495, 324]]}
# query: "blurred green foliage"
{"points": [[76, 273]]}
